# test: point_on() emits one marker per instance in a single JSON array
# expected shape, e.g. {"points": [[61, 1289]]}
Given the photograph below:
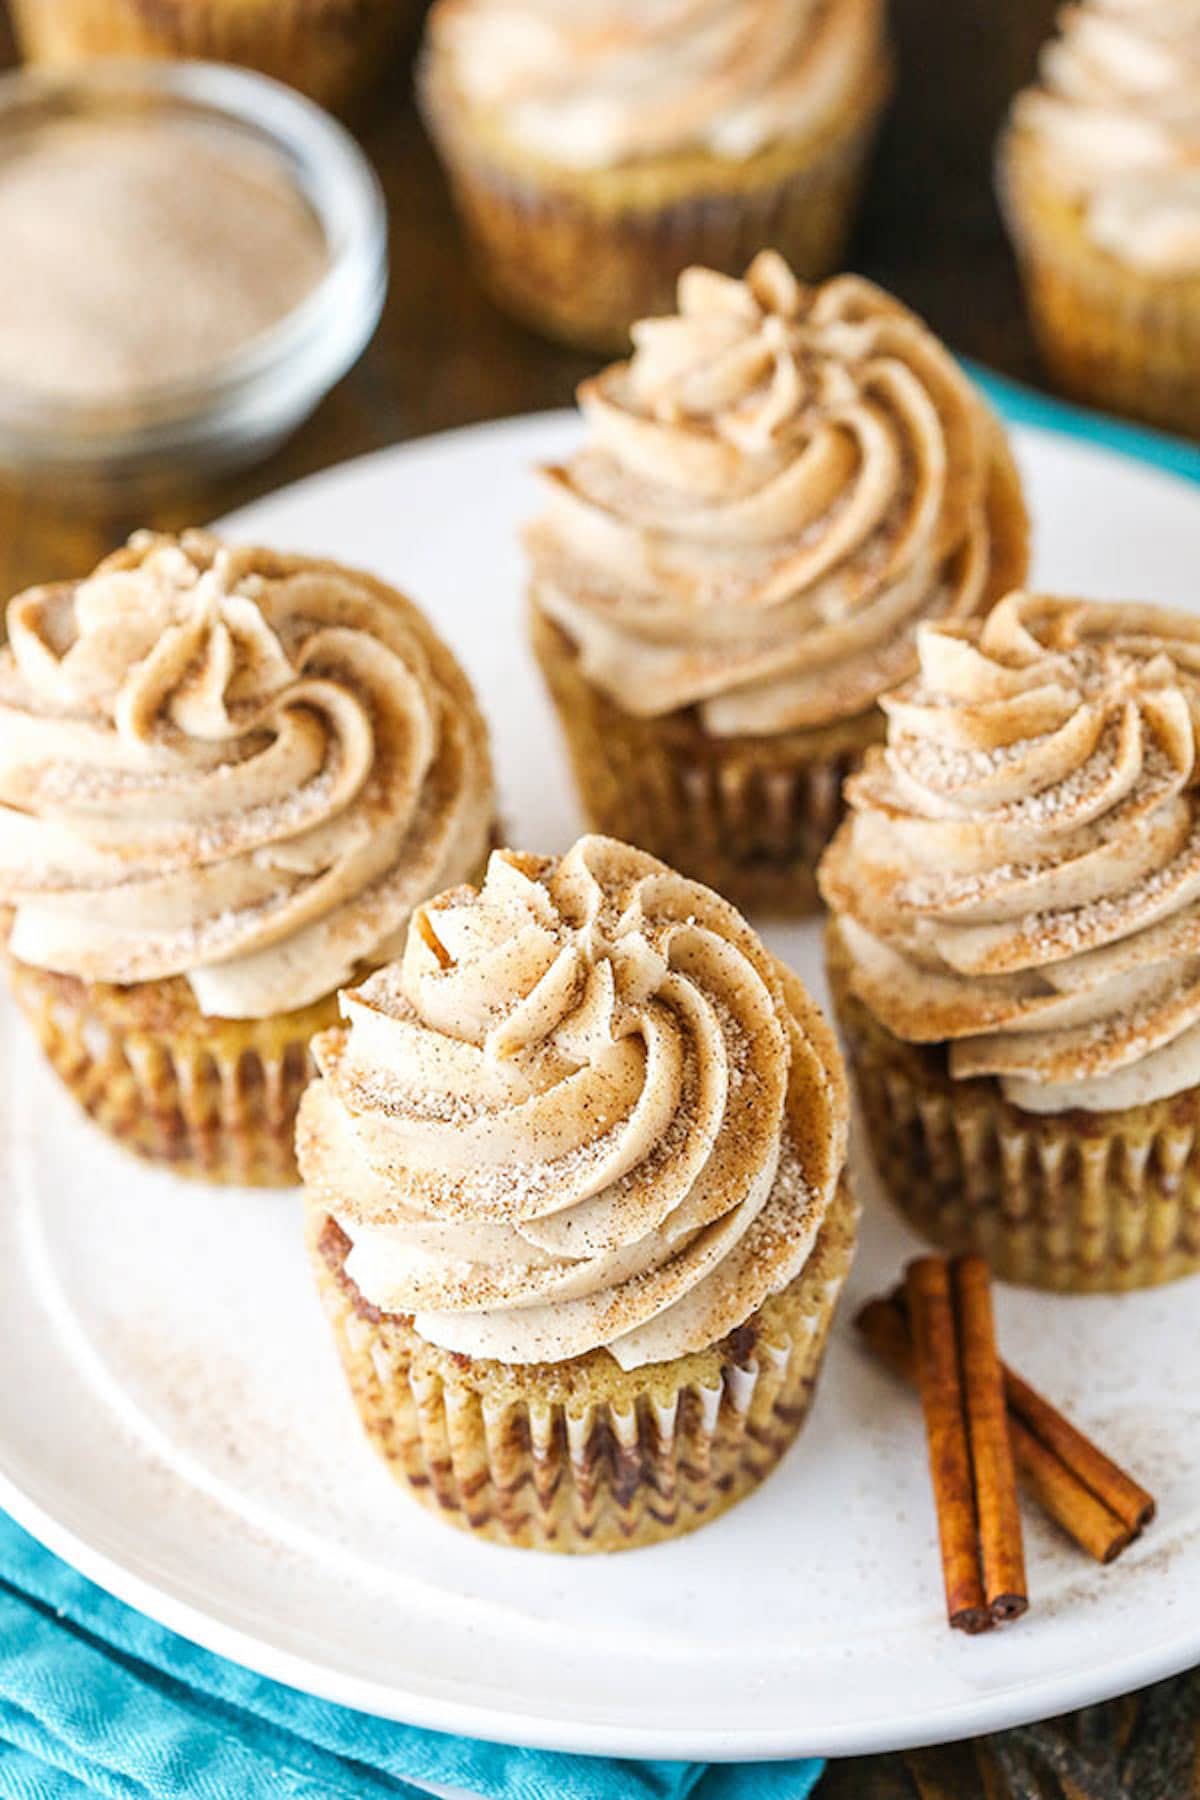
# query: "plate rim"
{"points": [[1090, 448], [889, 1731], [463, 1718]]}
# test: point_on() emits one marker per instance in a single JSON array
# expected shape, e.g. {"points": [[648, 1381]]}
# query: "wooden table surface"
{"points": [[444, 357]]}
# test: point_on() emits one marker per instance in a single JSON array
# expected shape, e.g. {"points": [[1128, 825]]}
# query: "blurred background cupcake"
{"points": [[331, 50], [597, 149], [1100, 179]]}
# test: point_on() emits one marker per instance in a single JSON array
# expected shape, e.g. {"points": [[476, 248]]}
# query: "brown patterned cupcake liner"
{"points": [[331, 50], [1079, 1202], [749, 817], [211, 1098], [581, 262], [583, 1456], [1109, 336]]}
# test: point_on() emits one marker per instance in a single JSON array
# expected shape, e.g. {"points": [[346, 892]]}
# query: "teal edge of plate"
{"points": [[1022, 405]]}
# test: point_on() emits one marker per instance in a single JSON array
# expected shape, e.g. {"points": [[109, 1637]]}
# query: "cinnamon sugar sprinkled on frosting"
{"points": [[234, 766], [776, 488], [608, 1120], [1032, 897]]}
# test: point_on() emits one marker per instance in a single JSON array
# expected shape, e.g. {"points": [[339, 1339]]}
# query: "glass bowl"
{"points": [[247, 404]]}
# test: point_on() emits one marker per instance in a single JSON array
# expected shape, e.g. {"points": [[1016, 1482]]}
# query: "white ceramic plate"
{"points": [[179, 1428]]}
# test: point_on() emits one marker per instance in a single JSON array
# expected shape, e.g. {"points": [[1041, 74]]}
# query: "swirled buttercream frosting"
{"points": [[774, 490], [232, 766], [600, 82], [1115, 118], [586, 1109], [1019, 875]]}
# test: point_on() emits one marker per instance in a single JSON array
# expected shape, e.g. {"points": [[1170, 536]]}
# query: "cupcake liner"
{"points": [[1079, 1202], [1109, 336], [581, 1456], [210, 1098], [331, 51], [581, 259], [747, 816]]}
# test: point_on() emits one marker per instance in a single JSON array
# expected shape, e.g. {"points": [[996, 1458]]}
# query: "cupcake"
{"points": [[575, 1202], [596, 149], [331, 51], [1100, 180], [1015, 942], [226, 778], [773, 491]]}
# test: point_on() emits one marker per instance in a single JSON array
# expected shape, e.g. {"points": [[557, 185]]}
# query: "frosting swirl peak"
{"points": [[775, 489], [1020, 874], [586, 1109], [601, 82], [1116, 119], [232, 766]]}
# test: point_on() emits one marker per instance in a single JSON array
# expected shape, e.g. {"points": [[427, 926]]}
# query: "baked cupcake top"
{"points": [[586, 1109], [1115, 119], [229, 765], [603, 82], [775, 488], [1019, 875]]}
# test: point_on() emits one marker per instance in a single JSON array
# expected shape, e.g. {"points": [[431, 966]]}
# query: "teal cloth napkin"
{"points": [[97, 1699], [1021, 405]]}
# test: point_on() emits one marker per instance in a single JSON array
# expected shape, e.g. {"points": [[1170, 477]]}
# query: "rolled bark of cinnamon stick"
{"points": [[1094, 1526], [1106, 1479], [1001, 1545], [1066, 1499], [935, 1350]]}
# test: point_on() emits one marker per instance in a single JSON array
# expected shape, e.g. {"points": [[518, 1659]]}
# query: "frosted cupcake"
{"points": [[575, 1201], [1100, 177], [226, 778], [597, 149], [773, 492], [332, 51], [1015, 950]]}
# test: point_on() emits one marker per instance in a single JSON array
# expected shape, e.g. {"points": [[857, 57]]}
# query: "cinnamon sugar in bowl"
{"points": [[201, 254]]}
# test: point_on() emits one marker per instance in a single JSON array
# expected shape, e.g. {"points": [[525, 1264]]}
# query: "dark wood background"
{"points": [[444, 357]]}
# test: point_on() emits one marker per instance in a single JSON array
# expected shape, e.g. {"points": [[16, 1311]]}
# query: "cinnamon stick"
{"points": [[1119, 1492], [935, 1351], [1001, 1546], [883, 1324], [1061, 1493], [1043, 1472]]}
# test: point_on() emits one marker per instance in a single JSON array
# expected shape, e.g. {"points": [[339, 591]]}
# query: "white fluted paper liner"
{"points": [[583, 1456]]}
